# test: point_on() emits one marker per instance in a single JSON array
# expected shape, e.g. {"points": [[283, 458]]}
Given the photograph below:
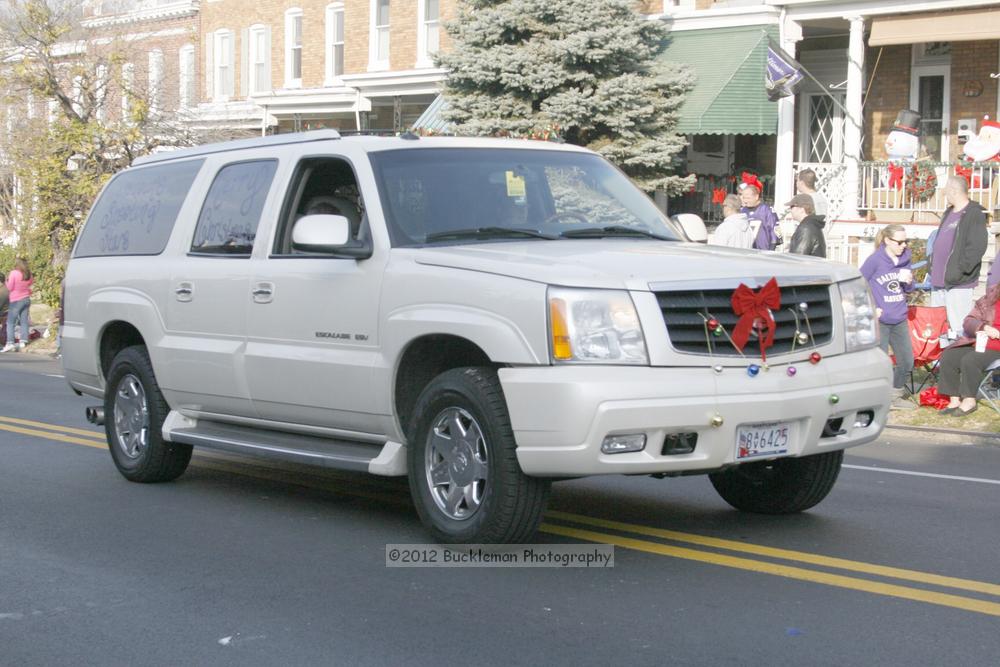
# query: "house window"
{"points": [[824, 131], [223, 68], [128, 88], [428, 35], [293, 48], [186, 76], [155, 81], [334, 41], [379, 54], [259, 66]]}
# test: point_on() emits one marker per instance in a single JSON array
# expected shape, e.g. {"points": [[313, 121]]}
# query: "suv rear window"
{"points": [[137, 211], [229, 218]]}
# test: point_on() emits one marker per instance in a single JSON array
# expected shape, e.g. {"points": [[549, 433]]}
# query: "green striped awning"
{"points": [[728, 95]]}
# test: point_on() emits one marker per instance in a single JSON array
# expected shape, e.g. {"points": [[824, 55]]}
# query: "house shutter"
{"points": [[209, 64], [231, 83], [266, 83], [245, 62]]}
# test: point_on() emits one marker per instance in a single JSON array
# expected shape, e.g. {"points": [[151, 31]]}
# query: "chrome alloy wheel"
{"points": [[455, 463], [131, 415]]}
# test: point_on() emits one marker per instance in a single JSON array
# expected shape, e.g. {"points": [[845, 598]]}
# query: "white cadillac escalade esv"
{"points": [[484, 316]]}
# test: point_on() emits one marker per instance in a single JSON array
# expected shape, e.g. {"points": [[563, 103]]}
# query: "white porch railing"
{"points": [[880, 191]]}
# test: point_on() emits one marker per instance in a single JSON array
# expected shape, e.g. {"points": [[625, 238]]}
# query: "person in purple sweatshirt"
{"points": [[890, 277], [768, 235]]}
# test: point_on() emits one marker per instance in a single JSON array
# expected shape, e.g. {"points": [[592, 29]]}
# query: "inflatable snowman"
{"points": [[903, 142], [902, 145]]}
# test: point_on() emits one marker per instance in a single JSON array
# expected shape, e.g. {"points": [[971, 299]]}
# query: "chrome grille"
{"points": [[685, 312]]}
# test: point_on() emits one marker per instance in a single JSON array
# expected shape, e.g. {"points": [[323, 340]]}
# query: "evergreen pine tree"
{"points": [[584, 69]]}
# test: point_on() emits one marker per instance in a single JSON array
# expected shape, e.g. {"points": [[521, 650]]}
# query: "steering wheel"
{"points": [[557, 216]]}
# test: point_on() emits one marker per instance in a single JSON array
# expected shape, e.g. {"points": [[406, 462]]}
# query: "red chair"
{"points": [[927, 324]]}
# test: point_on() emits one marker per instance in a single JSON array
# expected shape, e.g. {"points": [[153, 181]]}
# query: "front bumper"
{"points": [[561, 414]]}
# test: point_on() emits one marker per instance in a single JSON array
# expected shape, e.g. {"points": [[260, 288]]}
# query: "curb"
{"points": [[949, 435]]}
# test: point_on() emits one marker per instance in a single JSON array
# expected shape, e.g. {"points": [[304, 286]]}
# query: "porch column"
{"points": [[784, 167], [855, 116]]}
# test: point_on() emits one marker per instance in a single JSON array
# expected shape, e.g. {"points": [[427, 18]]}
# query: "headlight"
{"points": [[597, 326], [860, 323]]}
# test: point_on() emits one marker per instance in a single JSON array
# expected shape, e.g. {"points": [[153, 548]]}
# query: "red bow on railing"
{"points": [[895, 176], [719, 195], [966, 173], [754, 310]]}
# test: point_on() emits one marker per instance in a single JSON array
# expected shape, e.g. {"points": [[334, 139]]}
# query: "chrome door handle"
{"points": [[184, 292], [262, 292]]}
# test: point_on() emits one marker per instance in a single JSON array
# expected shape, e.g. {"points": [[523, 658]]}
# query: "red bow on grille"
{"points": [[895, 176], [754, 310]]}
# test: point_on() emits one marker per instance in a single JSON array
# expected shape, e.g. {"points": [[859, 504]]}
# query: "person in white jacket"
{"points": [[736, 230]]}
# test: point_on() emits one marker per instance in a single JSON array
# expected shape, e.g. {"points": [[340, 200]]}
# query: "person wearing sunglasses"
{"points": [[890, 277]]}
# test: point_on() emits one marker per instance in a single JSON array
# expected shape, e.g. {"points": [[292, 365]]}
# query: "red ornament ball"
{"points": [[814, 358], [713, 324]]}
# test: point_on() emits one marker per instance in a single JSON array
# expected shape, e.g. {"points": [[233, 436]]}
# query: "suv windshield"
{"points": [[482, 195]]}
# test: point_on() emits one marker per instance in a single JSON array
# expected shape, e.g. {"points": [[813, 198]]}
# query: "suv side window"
{"points": [[320, 185], [137, 210], [231, 212]]}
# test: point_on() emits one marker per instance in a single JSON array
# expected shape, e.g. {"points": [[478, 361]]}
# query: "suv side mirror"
{"points": [[330, 234], [692, 226]]}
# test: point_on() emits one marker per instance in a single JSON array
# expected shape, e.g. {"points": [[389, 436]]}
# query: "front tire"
{"points": [[464, 476], [134, 411], [782, 486]]}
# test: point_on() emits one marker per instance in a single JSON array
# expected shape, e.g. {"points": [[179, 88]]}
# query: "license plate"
{"points": [[755, 441]]}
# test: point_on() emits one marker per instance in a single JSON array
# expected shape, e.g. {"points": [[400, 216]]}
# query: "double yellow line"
{"points": [[787, 563]]}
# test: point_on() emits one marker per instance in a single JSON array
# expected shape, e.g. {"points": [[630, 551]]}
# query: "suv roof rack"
{"points": [[240, 144]]}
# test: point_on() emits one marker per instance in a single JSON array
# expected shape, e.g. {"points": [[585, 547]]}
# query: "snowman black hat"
{"points": [[907, 121]]}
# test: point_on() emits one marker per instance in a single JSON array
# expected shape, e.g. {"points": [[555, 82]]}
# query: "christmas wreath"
{"points": [[921, 183]]}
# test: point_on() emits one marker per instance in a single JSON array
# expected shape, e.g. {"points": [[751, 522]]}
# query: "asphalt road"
{"points": [[239, 563]]}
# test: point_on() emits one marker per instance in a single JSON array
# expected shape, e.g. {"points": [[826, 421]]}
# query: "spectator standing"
{"points": [[4, 295], [768, 237], [18, 282], [958, 253], [735, 230], [808, 238], [4, 302], [890, 277], [805, 184]]}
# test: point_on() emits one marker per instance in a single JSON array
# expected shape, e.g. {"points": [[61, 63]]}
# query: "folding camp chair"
{"points": [[927, 325], [989, 388]]}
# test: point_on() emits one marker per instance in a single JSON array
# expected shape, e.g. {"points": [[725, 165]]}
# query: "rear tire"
{"points": [[134, 410], [464, 476], [782, 486]]}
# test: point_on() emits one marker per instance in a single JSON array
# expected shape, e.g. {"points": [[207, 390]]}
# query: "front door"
{"points": [[312, 324], [929, 95]]}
